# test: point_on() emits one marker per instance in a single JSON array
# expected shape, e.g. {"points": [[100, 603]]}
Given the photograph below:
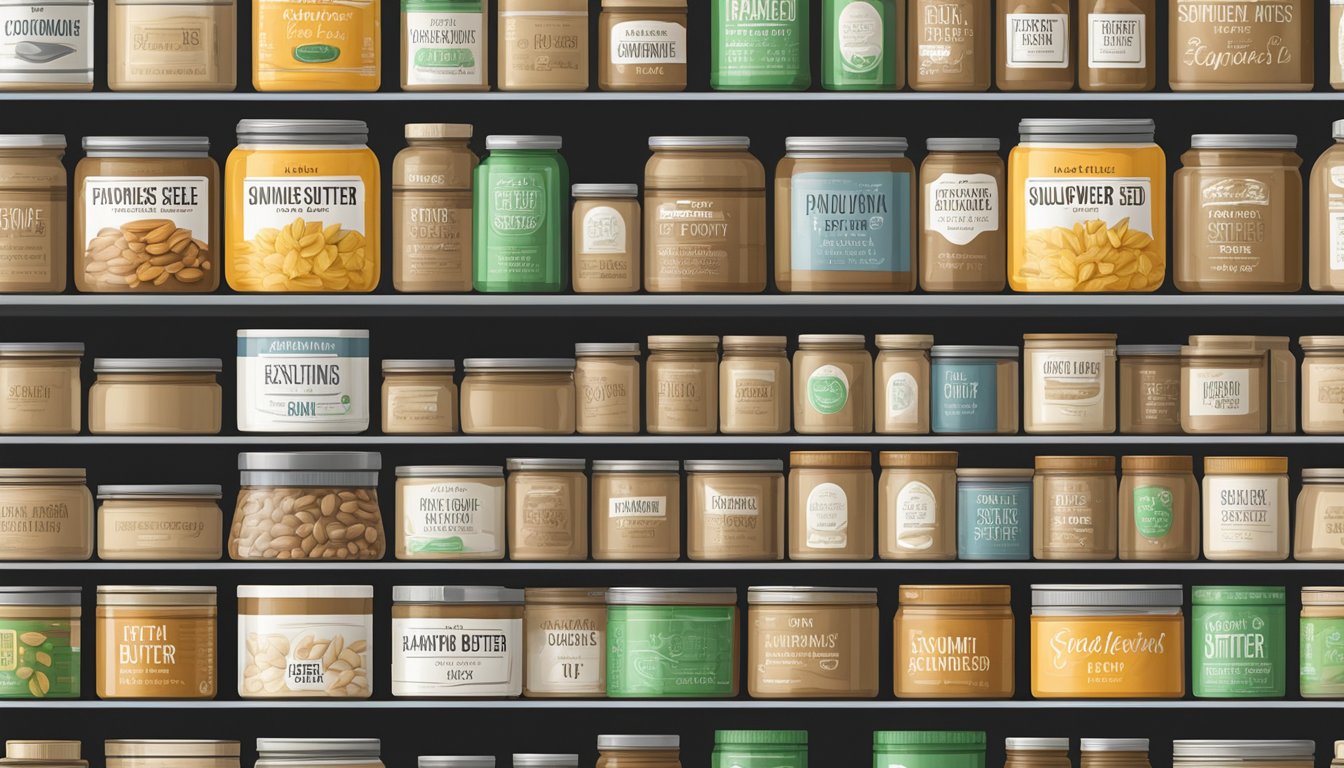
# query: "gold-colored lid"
{"points": [[170, 748], [1322, 343], [23, 749], [838, 459], [684, 343], [1245, 465], [912, 341], [956, 594], [1076, 463], [565, 595], [918, 459], [1157, 463], [438, 130]]}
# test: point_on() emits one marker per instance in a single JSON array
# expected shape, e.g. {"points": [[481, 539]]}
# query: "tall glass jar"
{"points": [[33, 196], [863, 45], [636, 509], [949, 45], [606, 384], [1326, 225], [431, 209], [760, 46], [755, 386], [1117, 45], [682, 385], [834, 396], [1159, 508], [901, 376], [963, 217], [830, 505], [521, 234], [547, 509]]}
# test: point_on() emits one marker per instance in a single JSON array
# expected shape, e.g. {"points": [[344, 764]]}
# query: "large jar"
{"points": [[1035, 45], [450, 513], [543, 45], [917, 505], [636, 510], [521, 235], [518, 396], [487, 659], [682, 385], [33, 198], [606, 232], [181, 45], [565, 634], [901, 390], [812, 642], [644, 622], [644, 751], [1246, 508], [863, 45], [156, 642], [830, 505], [1150, 389], [834, 374], [1238, 214], [760, 46], [445, 46], [962, 216], [994, 514], [844, 216], [755, 386], [40, 389], [1074, 501], [949, 45], [548, 509], [1325, 228], [431, 206], [1241, 45], [759, 749], [307, 642], [160, 522], [954, 641], [974, 390], [303, 380], [704, 215], [43, 626], [419, 397], [607, 388], [1319, 532], [1237, 642], [1159, 508], [276, 166], [929, 749], [294, 45], [735, 509], [1239, 753], [156, 396], [1321, 673], [47, 46], [1117, 45], [1070, 383], [318, 753], [1224, 390], [1322, 384], [45, 514], [641, 45], [171, 753]]}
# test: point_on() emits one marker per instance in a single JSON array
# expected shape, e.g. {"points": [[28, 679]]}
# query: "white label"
{"points": [[1063, 202], [306, 384], [860, 38], [457, 657], [444, 48], [1219, 392], [827, 517], [569, 659], [648, 42], [292, 640], [46, 42], [453, 517], [1242, 514], [276, 202], [111, 201], [1038, 40], [1116, 41], [902, 398], [916, 516], [731, 504], [962, 206], [637, 506], [1335, 239], [1068, 388], [603, 230]]}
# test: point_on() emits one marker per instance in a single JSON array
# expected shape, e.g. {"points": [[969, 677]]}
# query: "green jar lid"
{"points": [[1237, 595], [762, 738], [929, 739]]}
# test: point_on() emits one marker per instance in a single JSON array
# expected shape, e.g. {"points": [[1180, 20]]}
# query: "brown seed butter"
{"points": [[1241, 45], [1224, 391], [1326, 226], [682, 385], [1035, 45], [642, 46], [755, 386], [543, 45], [1074, 508], [917, 505], [565, 632], [419, 397], [962, 230], [606, 234], [735, 510], [812, 642], [954, 641], [834, 374], [40, 390], [522, 396], [547, 503], [48, 514], [901, 392], [1159, 508], [636, 510], [830, 504], [949, 46], [606, 383], [156, 642], [642, 751], [431, 209], [1150, 389], [1117, 45], [33, 193]]}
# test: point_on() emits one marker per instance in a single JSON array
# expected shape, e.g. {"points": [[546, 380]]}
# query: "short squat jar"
{"points": [[994, 514], [45, 514], [419, 397], [606, 231], [812, 642], [1159, 509], [1073, 501], [40, 389], [735, 509], [565, 634], [319, 753], [834, 392], [518, 396], [1320, 516], [156, 396], [156, 642], [486, 661], [759, 749], [1238, 753], [166, 753], [755, 386], [450, 513], [901, 390], [547, 509], [830, 505], [974, 390], [1246, 508], [1037, 753], [607, 388], [1322, 384], [682, 385], [917, 505], [185, 45], [1224, 391], [1070, 383], [636, 510], [1114, 753], [642, 45], [703, 620], [160, 522], [954, 641], [638, 751], [1150, 389]]}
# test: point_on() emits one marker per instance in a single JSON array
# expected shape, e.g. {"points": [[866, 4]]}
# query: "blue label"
{"points": [[966, 396], [303, 346], [994, 521], [851, 222]]}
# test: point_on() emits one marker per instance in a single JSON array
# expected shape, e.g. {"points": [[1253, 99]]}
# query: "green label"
{"points": [[760, 44], [827, 390], [671, 651], [517, 203], [38, 660], [1152, 511], [1322, 657], [444, 57], [1239, 651], [316, 53]]}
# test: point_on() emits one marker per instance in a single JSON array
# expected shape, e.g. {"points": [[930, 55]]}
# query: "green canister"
{"points": [[760, 45], [929, 749], [1322, 637], [521, 234], [760, 749], [1238, 642], [861, 44], [39, 642], [672, 643]]}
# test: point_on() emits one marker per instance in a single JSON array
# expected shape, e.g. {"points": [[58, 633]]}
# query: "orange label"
{"points": [[316, 44], [1108, 657]]}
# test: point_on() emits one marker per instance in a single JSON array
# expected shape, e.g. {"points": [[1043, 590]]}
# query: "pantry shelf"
{"points": [[654, 441], [785, 566], [687, 96], [739, 705]]}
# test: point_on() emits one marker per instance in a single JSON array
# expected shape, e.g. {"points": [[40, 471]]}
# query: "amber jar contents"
{"points": [[812, 642], [419, 397], [547, 509], [949, 45], [954, 641], [1117, 45], [607, 388], [606, 233], [755, 386], [637, 751], [431, 209], [156, 642], [641, 45], [565, 634], [1246, 508], [636, 510], [156, 396], [1326, 227], [1320, 516], [1159, 508], [518, 396], [830, 505], [45, 514], [834, 396], [962, 217], [40, 389], [1322, 384], [901, 384], [682, 385], [735, 509], [1035, 45], [1114, 753], [1224, 391], [543, 45], [917, 505], [33, 195], [1150, 389], [1241, 45], [1037, 753], [1070, 383], [1074, 500]]}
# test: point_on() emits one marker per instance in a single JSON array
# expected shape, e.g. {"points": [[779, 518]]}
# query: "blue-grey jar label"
{"points": [[994, 521], [965, 396], [851, 222]]}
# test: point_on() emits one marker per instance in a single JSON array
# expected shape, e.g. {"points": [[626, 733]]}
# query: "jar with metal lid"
{"points": [[760, 47], [641, 45], [518, 396], [171, 753], [974, 390], [834, 395], [538, 760], [1325, 260], [1280, 373], [182, 45], [48, 46], [954, 641], [160, 522], [755, 386], [682, 385], [43, 623], [962, 230], [606, 238], [543, 45], [1036, 46], [901, 391], [863, 45], [1150, 389], [156, 396], [1320, 516], [1114, 753], [1159, 508], [643, 622], [419, 397], [1321, 625], [1036, 753], [735, 509], [1242, 45], [917, 505], [812, 642], [994, 512], [1322, 384], [607, 388], [1135, 632], [33, 196], [330, 47], [844, 216], [929, 749], [759, 749], [456, 642], [146, 215], [309, 380], [156, 642], [830, 505], [1246, 508], [949, 45], [1070, 386], [40, 389], [318, 753], [1073, 506], [455, 761], [521, 227], [565, 633], [276, 167], [1224, 390], [1117, 45], [327, 503], [638, 751], [450, 513], [636, 510], [1238, 753], [303, 641], [445, 47], [1237, 642], [431, 200], [704, 216], [24, 753], [1117, 240], [548, 509]]}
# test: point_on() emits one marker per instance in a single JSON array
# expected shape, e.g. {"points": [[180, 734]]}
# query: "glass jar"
{"points": [[735, 509], [812, 642], [1159, 508], [450, 513], [1073, 508], [182, 45], [962, 230], [543, 45], [287, 54], [1321, 624], [535, 760], [901, 384], [62, 38], [1035, 44], [1243, 754], [974, 390], [994, 512], [419, 397], [156, 396], [760, 48], [606, 236], [641, 46], [1238, 214], [1320, 516], [834, 395], [34, 753], [43, 623], [638, 751], [830, 505], [1224, 391], [33, 197], [844, 216], [1070, 383], [759, 749], [755, 386], [1246, 508], [486, 662], [1114, 753], [606, 385], [45, 514], [636, 510], [521, 230], [518, 396], [643, 622], [40, 389], [1150, 389], [1336, 38], [445, 47], [1280, 374], [160, 522], [954, 641], [1237, 640], [682, 385], [339, 171], [863, 45], [929, 749], [318, 753], [949, 45], [1241, 45], [431, 191], [1051, 238], [704, 215], [309, 642], [156, 642], [169, 753], [548, 509], [146, 215], [1036, 753], [328, 504], [565, 634], [279, 368], [1117, 45], [1325, 233], [1322, 384], [917, 505]]}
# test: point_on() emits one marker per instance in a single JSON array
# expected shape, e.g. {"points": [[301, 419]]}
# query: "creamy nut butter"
{"points": [[1159, 508], [160, 522], [301, 641], [419, 397], [1070, 383], [636, 510], [521, 396], [156, 396], [40, 390], [431, 209], [812, 642], [543, 45], [45, 514], [830, 505], [1322, 384], [1224, 391], [954, 642], [1280, 370], [1246, 508], [735, 509], [641, 45], [901, 384], [565, 631], [1320, 516], [1241, 45], [1074, 508], [33, 195], [606, 234], [834, 374], [180, 45], [1035, 45], [1117, 45], [949, 45], [1150, 389], [171, 753], [682, 385], [755, 386], [156, 642], [962, 219], [917, 505], [607, 388], [1326, 225], [547, 509], [450, 513], [457, 642]]}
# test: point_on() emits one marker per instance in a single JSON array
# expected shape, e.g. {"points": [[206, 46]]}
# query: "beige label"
{"points": [[604, 396], [700, 239], [168, 43], [45, 522], [1325, 387], [1230, 41], [544, 50], [566, 649], [1159, 397], [546, 517], [1073, 508], [827, 517], [946, 40], [435, 239], [1068, 388], [754, 393], [28, 234], [798, 651], [682, 395], [732, 516]]}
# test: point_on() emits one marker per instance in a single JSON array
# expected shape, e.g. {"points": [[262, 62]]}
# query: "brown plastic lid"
{"points": [[910, 341], [1245, 465], [438, 130], [1323, 595], [170, 748], [684, 343], [1076, 337], [956, 594], [565, 595], [1076, 463], [1157, 463], [838, 459], [755, 342], [918, 459], [22, 749]]}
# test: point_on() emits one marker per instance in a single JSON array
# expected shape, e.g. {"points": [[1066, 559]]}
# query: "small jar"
{"points": [[735, 510], [1035, 46], [1224, 391], [43, 626], [543, 45], [518, 396], [160, 522], [48, 46], [830, 505], [931, 749], [606, 237], [33, 753], [1036, 753], [1117, 45], [962, 221], [1325, 259], [954, 641], [636, 510], [445, 48], [641, 45], [318, 753], [486, 661], [638, 751], [45, 514], [34, 190], [994, 513], [167, 753], [419, 397], [431, 202], [607, 388], [755, 386], [1322, 384], [1243, 754], [759, 749], [1074, 501], [1322, 668], [702, 622], [1320, 516], [901, 390], [1242, 45], [682, 385], [40, 389], [521, 230], [1246, 508], [1238, 639], [156, 642], [1150, 389], [548, 509], [292, 638], [303, 380], [974, 390], [156, 396], [1159, 509], [565, 634], [183, 45], [1280, 374], [917, 505], [834, 395], [812, 642], [450, 513], [949, 46], [1114, 753], [1070, 383]]}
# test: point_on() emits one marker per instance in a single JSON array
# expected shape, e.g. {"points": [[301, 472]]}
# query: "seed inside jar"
{"points": [[307, 524], [337, 669], [144, 253]]}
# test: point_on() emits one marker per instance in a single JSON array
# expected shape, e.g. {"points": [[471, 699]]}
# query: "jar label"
{"points": [[161, 44], [1322, 656], [804, 648], [1068, 388], [320, 655], [1230, 41], [408, 404], [962, 206], [648, 42], [457, 657], [434, 238], [46, 43], [653, 507], [709, 238], [1127, 656], [1117, 41], [1238, 226], [1219, 392], [946, 38], [546, 518], [604, 231], [1089, 233], [760, 39], [166, 218], [321, 219], [544, 48], [681, 395], [732, 520], [1323, 391], [827, 390], [1159, 397], [859, 31], [943, 655], [1327, 522], [302, 383], [1241, 514], [916, 517], [1239, 651], [159, 657], [1334, 237], [902, 398], [965, 397], [1153, 513], [753, 393], [994, 522], [457, 517], [1037, 41], [605, 396], [1075, 521], [28, 235], [827, 517], [517, 209], [445, 42], [851, 222], [567, 653], [640, 641], [310, 36]]}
